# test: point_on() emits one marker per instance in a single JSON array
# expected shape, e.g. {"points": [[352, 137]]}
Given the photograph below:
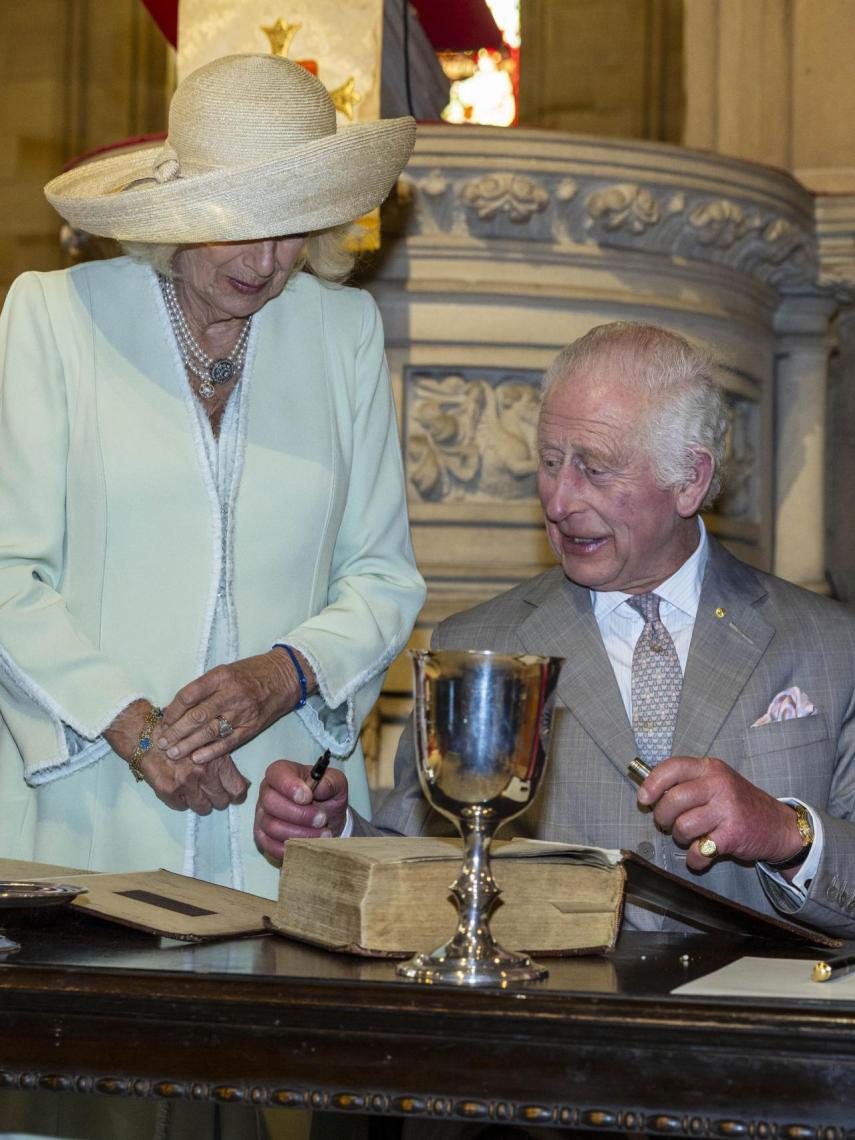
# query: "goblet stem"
{"points": [[472, 956], [475, 889]]}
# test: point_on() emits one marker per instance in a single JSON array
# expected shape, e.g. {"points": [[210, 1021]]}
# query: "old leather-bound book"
{"points": [[390, 897]]}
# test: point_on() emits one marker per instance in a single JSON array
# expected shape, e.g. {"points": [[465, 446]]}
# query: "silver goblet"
{"points": [[482, 724]]}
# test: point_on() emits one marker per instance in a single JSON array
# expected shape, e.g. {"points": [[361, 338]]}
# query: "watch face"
{"points": [[804, 824]]}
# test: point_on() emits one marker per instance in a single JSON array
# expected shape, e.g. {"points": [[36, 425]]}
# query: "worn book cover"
{"points": [[389, 897]]}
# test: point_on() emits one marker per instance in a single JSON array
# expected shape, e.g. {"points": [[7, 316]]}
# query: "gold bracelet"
{"points": [[144, 743]]}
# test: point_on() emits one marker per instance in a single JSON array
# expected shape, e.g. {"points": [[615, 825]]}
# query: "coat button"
{"points": [[646, 850]]}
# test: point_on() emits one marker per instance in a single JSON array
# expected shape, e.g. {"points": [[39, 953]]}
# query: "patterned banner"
{"points": [[339, 42]]}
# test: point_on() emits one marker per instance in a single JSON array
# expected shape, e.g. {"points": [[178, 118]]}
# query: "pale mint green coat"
{"points": [[114, 547]]}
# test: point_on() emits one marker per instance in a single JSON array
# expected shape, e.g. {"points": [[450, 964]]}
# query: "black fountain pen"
{"points": [[320, 766]]}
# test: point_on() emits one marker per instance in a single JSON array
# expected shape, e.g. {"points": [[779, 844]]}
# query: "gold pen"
{"points": [[638, 770], [833, 968]]}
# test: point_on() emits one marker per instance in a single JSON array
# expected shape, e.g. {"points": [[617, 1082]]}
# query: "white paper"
{"points": [[771, 977]]}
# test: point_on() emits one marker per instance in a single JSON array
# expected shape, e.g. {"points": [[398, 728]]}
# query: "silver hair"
{"points": [[685, 407], [326, 254]]}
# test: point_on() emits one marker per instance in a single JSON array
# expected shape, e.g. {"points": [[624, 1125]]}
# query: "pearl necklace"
{"points": [[208, 370]]}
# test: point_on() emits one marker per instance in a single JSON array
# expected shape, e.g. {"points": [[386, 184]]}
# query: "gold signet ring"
{"points": [[707, 847]]}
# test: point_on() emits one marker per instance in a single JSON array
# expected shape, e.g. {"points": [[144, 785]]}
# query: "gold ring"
{"points": [[707, 847]]}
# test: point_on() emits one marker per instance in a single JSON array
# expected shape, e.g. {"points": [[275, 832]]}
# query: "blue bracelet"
{"points": [[301, 676]]}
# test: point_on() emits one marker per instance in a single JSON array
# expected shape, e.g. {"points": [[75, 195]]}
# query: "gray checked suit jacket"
{"points": [[754, 636]]}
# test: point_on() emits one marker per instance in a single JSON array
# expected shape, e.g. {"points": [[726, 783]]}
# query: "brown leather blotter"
{"points": [[159, 902]]}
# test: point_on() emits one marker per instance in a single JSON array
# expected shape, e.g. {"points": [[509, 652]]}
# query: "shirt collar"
{"points": [[682, 590]]}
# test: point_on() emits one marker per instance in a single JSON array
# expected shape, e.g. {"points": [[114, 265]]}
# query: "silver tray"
{"points": [[26, 894]]}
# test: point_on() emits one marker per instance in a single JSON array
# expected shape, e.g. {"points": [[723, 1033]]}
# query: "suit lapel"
{"points": [[725, 651], [729, 640], [562, 624]]}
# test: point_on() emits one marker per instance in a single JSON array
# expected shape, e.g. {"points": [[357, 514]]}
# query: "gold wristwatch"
{"points": [[806, 831]]}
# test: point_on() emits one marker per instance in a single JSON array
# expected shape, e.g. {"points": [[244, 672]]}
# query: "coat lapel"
{"points": [[729, 640], [562, 624]]}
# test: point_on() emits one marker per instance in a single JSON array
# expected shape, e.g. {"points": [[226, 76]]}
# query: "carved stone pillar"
{"points": [[841, 465], [835, 223], [800, 439]]}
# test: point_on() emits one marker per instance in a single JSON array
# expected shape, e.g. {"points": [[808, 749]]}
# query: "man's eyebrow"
{"points": [[607, 456]]}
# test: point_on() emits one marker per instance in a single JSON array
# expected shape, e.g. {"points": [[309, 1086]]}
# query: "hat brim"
{"points": [[319, 184]]}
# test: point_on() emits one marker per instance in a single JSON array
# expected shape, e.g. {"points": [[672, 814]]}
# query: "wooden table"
{"points": [[96, 1009]]}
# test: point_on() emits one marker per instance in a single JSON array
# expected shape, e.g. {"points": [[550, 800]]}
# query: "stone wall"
{"points": [[76, 74]]}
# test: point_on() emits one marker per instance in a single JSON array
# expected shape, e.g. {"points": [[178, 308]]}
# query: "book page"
{"points": [[557, 852]]}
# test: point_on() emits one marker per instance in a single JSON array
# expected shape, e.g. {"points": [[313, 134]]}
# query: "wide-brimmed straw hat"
{"points": [[253, 151]]}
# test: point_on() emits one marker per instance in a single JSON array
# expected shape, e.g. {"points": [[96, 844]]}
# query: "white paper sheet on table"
{"points": [[771, 977]]}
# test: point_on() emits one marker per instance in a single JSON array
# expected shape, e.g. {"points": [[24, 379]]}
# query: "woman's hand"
{"points": [[184, 786], [249, 695], [202, 788]]}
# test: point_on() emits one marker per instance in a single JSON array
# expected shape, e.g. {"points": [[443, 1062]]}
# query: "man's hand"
{"points": [[289, 809], [692, 797]]}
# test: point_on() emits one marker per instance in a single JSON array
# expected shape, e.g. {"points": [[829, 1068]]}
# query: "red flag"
{"points": [[458, 25], [165, 15]]}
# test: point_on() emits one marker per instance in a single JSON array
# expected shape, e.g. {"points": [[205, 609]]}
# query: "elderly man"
{"points": [[734, 686]]}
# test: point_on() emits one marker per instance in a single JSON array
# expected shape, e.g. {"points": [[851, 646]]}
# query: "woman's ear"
{"points": [[691, 494]]}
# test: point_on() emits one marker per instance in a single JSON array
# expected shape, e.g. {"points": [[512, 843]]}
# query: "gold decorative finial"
{"points": [[345, 98], [280, 35]]}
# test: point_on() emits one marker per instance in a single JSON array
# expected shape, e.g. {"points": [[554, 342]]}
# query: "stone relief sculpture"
{"points": [[627, 206], [738, 499], [758, 242], [504, 193], [472, 435]]}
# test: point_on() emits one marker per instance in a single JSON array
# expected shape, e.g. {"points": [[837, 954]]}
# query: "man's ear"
{"points": [[691, 494]]}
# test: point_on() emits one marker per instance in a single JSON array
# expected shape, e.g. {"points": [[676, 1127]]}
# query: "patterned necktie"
{"points": [[657, 681]]}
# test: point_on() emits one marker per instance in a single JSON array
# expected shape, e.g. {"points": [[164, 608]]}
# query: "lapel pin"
{"points": [[719, 612]]}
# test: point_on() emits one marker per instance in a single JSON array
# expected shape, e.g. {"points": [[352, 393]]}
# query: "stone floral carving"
{"points": [[676, 203], [434, 184], [627, 206], [516, 195], [791, 255], [722, 223], [472, 436], [566, 189]]}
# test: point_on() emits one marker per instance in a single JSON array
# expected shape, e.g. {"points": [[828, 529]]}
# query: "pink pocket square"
{"points": [[787, 705]]}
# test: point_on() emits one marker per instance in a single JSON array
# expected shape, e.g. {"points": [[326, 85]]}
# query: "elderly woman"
{"points": [[205, 560]]}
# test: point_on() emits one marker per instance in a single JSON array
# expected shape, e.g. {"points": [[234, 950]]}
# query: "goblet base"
{"points": [[497, 968]]}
